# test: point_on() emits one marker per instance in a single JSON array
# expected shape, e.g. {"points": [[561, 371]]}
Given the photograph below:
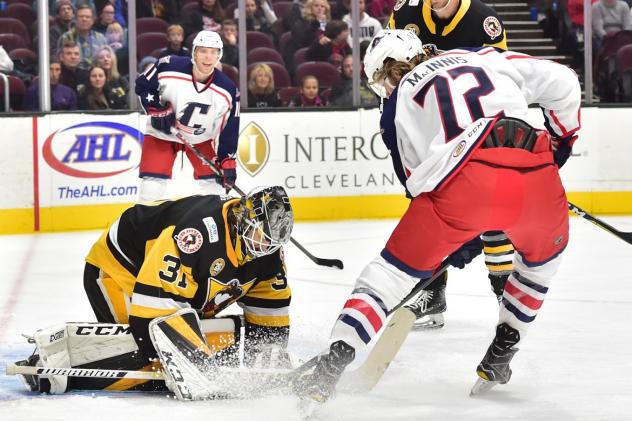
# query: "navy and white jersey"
{"points": [[440, 110], [210, 111]]}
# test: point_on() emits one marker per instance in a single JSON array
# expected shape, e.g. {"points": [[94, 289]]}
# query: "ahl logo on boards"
{"points": [[254, 149], [93, 150]]}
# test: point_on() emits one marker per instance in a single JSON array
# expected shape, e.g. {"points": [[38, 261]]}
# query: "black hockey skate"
{"points": [[494, 368], [320, 384], [429, 307]]}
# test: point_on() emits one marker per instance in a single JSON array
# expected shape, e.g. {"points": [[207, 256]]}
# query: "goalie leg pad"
{"points": [[184, 354]]}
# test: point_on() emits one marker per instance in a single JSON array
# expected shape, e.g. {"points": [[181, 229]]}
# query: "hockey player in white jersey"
{"points": [[191, 97], [457, 126]]}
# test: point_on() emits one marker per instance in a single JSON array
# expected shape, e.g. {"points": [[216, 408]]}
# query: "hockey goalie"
{"points": [[151, 277]]}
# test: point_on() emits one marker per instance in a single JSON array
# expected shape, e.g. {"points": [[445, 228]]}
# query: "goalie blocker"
{"points": [[112, 346]]}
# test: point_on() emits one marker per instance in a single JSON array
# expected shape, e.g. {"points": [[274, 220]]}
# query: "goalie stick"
{"points": [[13, 369], [625, 236], [335, 263]]}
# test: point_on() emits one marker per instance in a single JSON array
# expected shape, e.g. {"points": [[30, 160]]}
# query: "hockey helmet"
{"points": [[266, 220], [396, 44], [208, 39]]}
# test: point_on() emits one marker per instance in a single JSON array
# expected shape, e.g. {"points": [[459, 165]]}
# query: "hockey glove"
{"points": [[229, 171], [466, 253], [162, 118], [563, 147]]}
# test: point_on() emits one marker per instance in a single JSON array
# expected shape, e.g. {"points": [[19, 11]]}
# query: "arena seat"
{"points": [[15, 26], [231, 72], [12, 41], [22, 12], [16, 94], [255, 39], [151, 24], [264, 54], [326, 73], [149, 42], [287, 93]]}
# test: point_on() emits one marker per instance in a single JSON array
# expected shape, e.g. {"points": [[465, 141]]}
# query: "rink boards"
{"points": [[79, 171]]}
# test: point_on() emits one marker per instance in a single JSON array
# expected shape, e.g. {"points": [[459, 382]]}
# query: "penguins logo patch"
{"points": [[189, 240], [492, 27]]}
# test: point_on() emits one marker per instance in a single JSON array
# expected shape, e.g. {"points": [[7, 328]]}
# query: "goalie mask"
{"points": [[396, 44], [266, 221]]}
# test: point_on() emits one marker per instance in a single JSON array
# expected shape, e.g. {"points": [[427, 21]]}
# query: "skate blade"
{"points": [[433, 321], [482, 386]]}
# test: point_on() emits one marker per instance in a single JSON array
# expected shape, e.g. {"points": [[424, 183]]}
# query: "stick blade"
{"points": [[332, 263], [365, 377]]}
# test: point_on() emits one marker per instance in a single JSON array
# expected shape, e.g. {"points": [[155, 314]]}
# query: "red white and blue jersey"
{"points": [[210, 111], [440, 111]]}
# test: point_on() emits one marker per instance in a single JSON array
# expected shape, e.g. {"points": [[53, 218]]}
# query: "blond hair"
{"points": [[252, 83], [114, 27], [307, 10], [175, 27], [113, 73]]}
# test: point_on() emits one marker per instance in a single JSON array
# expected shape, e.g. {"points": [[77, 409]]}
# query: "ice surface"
{"points": [[575, 364]]}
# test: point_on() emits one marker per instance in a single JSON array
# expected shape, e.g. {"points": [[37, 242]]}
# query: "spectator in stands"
{"points": [[342, 92], [333, 42], [380, 8], [106, 17], [340, 8], [259, 16], [120, 11], [64, 16], [261, 93], [97, 95], [87, 38], [71, 74], [61, 97], [307, 29], [368, 26], [166, 10], [115, 35], [118, 85], [175, 36], [309, 94], [229, 38], [293, 14], [146, 63], [609, 16], [207, 16]]}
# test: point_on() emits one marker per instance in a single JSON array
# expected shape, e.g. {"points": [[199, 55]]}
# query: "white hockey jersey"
{"points": [[439, 112], [210, 111], [368, 27]]}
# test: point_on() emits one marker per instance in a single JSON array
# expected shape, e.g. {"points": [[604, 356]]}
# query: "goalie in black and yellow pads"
{"points": [[201, 253]]}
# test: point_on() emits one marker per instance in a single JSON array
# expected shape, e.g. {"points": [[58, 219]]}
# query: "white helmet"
{"points": [[208, 39], [398, 44]]}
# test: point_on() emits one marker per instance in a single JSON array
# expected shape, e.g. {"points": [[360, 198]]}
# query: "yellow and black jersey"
{"points": [[474, 25], [178, 254]]}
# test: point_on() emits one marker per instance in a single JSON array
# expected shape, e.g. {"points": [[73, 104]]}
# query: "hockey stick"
{"points": [[335, 263], [13, 369], [625, 236], [394, 333]]}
